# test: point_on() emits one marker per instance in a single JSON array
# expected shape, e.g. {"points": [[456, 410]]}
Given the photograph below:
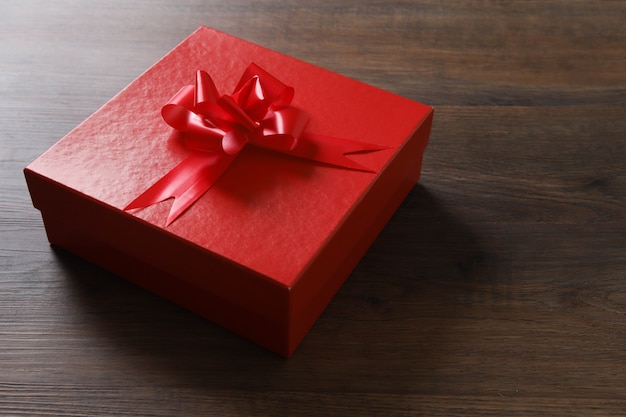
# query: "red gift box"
{"points": [[264, 250]]}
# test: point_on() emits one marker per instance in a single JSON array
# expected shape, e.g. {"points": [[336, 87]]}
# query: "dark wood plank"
{"points": [[496, 289]]}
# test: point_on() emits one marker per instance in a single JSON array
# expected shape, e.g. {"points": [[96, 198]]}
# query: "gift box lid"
{"points": [[269, 212]]}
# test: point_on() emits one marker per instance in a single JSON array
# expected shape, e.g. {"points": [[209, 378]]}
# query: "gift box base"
{"points": [[73, 233], [195, 299]]}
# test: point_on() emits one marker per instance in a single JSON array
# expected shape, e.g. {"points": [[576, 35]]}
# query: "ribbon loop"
{"points": [[238, 114], [205, 91]]}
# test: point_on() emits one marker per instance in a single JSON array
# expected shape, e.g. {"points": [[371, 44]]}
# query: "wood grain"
{"points": [[498, 288]]}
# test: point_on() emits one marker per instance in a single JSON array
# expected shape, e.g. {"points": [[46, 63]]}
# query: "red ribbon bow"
{"points": [[217, 128]]}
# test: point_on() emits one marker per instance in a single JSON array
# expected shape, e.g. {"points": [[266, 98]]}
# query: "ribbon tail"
{"points": [[333, 150], [186, 183]]}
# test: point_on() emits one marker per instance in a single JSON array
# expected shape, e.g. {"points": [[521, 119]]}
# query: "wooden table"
{"points": [[498, 288]]}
